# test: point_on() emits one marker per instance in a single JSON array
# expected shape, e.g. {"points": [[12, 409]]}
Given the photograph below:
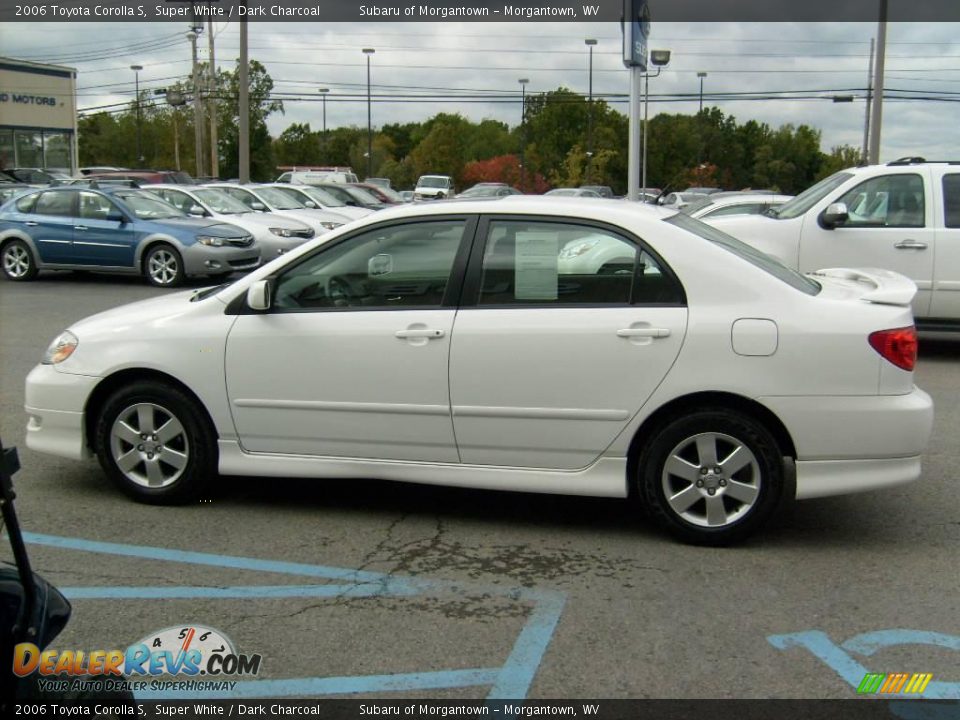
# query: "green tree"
{"points": [[262, 163], [298, 145]]}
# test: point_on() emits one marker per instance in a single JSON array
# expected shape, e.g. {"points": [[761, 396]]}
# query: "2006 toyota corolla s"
{"points": [[464, 344]]}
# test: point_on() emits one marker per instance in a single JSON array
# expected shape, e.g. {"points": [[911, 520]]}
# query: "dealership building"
{"points": [[38, 115]]}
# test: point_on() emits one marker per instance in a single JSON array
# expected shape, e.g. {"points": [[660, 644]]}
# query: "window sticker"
{"points": [[535, 266]]}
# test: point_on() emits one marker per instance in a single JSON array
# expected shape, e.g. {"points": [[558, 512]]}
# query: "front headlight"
{"points": [[61, 348], [210, 240], [577, 248], [282, 232], [331, 225]]}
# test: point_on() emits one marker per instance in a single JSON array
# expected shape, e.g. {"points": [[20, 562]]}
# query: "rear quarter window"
{"points": [[951, 200]]}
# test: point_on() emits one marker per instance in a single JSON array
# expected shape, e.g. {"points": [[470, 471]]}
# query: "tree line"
{"points": [[563, 141]]}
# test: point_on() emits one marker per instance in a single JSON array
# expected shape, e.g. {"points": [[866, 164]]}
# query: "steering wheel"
{"points": [[340, 291]]}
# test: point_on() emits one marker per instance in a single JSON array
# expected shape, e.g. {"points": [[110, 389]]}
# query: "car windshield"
{"points": [[390, 193], [362, 196], [321, 196], [809, 197], [147, 206], [279, 199], [481, 191], [746, 252], [220, 202], [433, 182]]}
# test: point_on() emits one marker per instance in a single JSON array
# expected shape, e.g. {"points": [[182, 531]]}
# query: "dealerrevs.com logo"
{"points": [[185, 651]]}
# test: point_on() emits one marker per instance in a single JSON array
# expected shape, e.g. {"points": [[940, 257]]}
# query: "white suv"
{"points": [[434, 187], [902, 216]]}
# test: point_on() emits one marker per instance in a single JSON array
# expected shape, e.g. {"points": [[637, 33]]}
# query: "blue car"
{"points": [[117, 230]]}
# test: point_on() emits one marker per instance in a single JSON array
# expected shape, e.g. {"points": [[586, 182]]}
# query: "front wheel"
{"points": [[18, 262], [711, 477], [163, 266], [155, 443]]}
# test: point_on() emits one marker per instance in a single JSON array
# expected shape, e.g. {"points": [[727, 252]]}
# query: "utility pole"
{"points": [[212, 106], [197, 109], [590, 42], [368, 52], [523, 131], [865, 157], [243, 102], [877, 114]]}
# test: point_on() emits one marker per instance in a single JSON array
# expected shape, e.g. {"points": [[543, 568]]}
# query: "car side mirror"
{"points": [[258, 206], [197, 211], [258, 295], [310, 204], [116, 216], [835, 214]]}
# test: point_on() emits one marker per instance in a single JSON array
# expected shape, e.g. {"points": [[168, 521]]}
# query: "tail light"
{"points": [[899, 346]]}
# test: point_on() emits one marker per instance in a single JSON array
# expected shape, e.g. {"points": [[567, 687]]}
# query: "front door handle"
{"points": [[643, 332], [419, 333], [30, 223], [910, 245], [79, 227]]}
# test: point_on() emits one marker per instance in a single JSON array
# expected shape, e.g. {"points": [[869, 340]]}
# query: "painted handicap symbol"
{"points": [[840, 660]]}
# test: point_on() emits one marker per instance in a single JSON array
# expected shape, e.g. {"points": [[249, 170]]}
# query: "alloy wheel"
{"points": [[149, 445]]}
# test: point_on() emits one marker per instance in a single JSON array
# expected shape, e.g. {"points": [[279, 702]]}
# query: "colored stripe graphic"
{"points": [[894, 683]]}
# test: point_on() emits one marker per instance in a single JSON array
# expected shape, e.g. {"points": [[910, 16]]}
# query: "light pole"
{"points": [[659, 58], [136, 70], [590, 42], [701, 75], [523, 130], [323, 94], [368, 52], [197, 110]]}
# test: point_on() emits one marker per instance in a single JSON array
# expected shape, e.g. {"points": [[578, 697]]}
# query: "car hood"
{"points": [[137, 313], [209, 226], [264, 220]]}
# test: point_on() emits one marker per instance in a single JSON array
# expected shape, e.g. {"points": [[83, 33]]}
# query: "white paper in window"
{"points": [[535, 263]]}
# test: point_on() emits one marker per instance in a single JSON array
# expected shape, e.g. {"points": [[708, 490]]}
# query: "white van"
{"points": [[317, 177]]}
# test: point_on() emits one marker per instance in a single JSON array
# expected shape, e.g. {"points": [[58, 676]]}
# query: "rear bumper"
{"points": [[872, 427], [823, 478]]}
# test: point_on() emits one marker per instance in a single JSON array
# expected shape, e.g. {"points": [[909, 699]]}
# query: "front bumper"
{"points": [[54, 403], [203, 260]]}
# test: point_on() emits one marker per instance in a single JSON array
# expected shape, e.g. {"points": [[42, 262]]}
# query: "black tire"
{"points": [[18, 262], [162, 468], [747, 496], [163, 266]]}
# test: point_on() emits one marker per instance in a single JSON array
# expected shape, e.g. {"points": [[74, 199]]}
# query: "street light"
{"points": [[523, 129], [136, 70], [368, 52], [660, 58], [590, 42], [701, 75], [323, 94]]}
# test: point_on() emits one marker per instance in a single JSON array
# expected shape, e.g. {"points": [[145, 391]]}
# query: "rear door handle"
{"points": [[910, 245], [646, 332], [419, 333], [31, 223], [79, 227]]}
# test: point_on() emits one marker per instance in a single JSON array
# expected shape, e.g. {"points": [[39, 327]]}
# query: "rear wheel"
{"points": [[163, 266], [18, 262], [156, 444], [711, 477]]}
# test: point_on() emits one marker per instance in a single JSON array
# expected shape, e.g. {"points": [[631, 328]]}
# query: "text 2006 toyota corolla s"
{"points": [[531, 344]]}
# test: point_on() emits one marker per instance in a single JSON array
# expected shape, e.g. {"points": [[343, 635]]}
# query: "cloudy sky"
{"points": [[473, 68]]}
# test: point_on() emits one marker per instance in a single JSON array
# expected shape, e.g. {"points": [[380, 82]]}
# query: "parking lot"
{"points": [[378, 588]]}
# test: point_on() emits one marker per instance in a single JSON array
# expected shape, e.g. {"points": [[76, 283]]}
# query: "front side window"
{"points": [[179, 200], [220, 202], [147, 206], [94, 206], [546, 263], [397, 266], [886, 201]]}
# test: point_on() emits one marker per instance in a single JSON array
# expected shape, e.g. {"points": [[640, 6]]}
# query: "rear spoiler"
{"points": [[889, 288]]}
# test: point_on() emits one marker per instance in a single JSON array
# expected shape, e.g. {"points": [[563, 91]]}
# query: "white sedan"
{"points": [[450, 343]]}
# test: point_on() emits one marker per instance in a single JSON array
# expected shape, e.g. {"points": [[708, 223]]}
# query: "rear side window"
{"points": [[565, 264], [951, 200], [55, 203]]}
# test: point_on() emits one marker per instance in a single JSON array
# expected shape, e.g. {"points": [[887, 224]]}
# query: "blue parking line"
{"points": [[511, 681], [302, 687]]}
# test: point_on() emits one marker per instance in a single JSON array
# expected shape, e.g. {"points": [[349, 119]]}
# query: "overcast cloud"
{"points": [[477, 59]]}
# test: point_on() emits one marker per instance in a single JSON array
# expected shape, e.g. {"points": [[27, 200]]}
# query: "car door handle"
{"points": [[79, 227], [648, 332], [419, 333], [31, 223], [910, 245]]}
